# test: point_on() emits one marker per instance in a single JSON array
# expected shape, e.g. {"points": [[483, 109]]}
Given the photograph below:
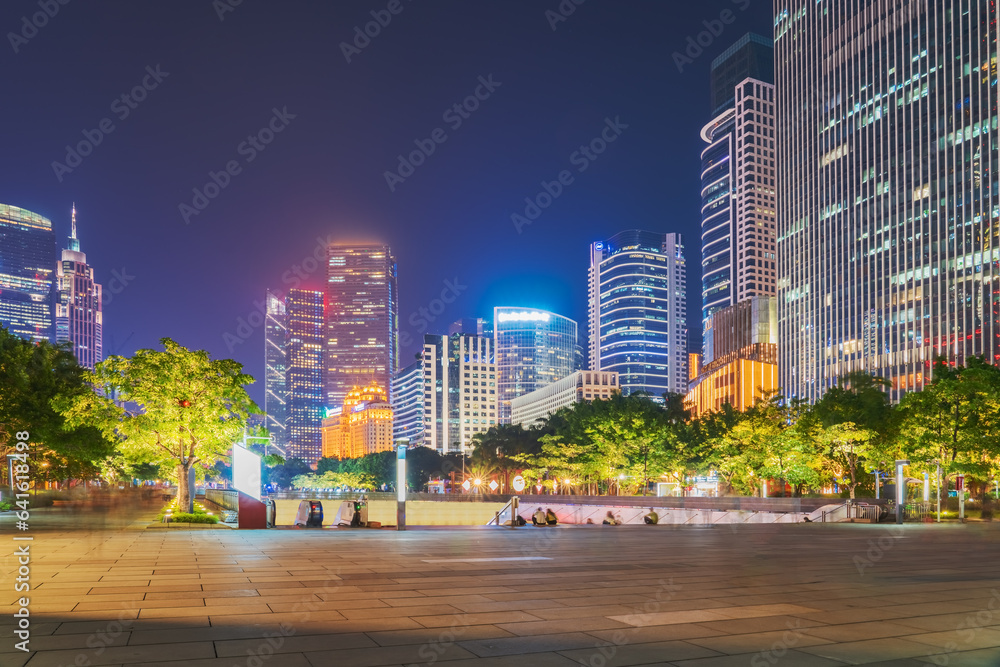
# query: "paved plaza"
{"points": [[112, 592]]}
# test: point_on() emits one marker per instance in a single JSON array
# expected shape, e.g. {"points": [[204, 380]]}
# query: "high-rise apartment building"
{"points": [[460, 392], [306, 328], [79, 311], [889, 203], [638, 312], [362, 318], [276, 403], [27, 251], [739, 267], [533, 348], [408, 403]]}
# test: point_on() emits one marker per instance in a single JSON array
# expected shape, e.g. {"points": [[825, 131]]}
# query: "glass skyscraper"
{"points": [[27, 264], [362, 319], [533, 348], [79, 313], [306, 325], [888, 208], [408, 404], [637, 314], [276, 371]]}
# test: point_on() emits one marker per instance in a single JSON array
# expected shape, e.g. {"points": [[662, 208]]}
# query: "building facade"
{"points": [[638, 312], [306, 329], [889, 214], [408, 403], [362, 426], [460, 390], [362, 318], [27, 251], [533, 348], [276, 403], [78, 308], [579, 387]]}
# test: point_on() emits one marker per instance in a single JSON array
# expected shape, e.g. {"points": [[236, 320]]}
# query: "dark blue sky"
{"points": [[322, 176]]}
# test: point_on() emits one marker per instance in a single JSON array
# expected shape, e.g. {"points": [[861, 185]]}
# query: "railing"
{"points": [[916, 511], [866, 512], [224, 498], [507, 513]]}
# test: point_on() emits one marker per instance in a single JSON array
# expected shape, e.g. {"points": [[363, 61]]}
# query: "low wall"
{"points": [[418, 512]]}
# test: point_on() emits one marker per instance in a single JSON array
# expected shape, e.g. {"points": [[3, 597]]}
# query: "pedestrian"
{"points": [[652, 518], [609, 520], [550, 517], [538, 518]]}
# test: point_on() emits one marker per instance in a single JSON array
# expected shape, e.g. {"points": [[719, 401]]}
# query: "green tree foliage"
{"points": [[190, 408]]}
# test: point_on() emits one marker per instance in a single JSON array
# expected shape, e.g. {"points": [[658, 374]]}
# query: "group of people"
{"points": [[548, 518]]}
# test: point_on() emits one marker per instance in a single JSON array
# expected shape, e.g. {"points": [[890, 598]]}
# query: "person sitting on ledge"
{"points": [[538, 518], [609, 520], [652, 518], [550, 517]]}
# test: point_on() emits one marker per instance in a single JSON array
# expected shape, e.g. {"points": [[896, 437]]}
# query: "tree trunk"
{"points": [[185, 494]]}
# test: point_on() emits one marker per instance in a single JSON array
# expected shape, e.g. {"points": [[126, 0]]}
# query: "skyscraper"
{"points": [[79, 312], [306, 325], [888, 208], [459, 390], [362, 318], [408, 403], [739, 332], [637, 312], [27, 249], [533, 348], [276, 403]]}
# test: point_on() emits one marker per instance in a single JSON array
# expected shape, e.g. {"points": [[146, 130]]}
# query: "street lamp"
{"points": [[900, 490]]}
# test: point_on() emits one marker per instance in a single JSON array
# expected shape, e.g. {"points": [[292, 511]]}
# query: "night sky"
{"points": [[211, 83]]}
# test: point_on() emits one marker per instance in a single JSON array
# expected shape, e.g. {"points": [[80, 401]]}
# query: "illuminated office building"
{"points": [[27, 250], [276, 371], [533, 348], [638, 311], [362, 318], [889, 205], [362, 426], [739, 267], [306, 326], [578, 387], [408, 403], [78, 316], [460, 393]]}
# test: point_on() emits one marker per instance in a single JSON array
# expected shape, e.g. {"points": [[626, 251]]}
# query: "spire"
{"points": [[74, 243]]}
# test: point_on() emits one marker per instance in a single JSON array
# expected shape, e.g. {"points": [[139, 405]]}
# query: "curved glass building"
{"points": [[638, 325], [27, 264], [533, 348]]}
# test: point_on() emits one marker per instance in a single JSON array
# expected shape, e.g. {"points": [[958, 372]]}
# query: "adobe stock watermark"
{"points": [[432, 651], [372, 29], [696, 45], [31, 25], [454, 116], [607, 650], [423, 317], [223, 7], [967, 630], [120, 279], [562, 12], [122, 107], [248, 149], [788, 640], [877, 549], [581, 158]]}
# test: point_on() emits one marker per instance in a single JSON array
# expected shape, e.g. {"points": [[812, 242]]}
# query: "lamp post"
{"points": [[900, 489], [401, 484], [927, 487], [938, 464]]}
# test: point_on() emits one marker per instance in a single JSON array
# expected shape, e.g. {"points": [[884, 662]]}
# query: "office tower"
{"points": [[408, 403], [460, 394], [535, 407], [888, 205], [737, 181], [533, 348], [276, 371], [475, 326], [739, 342], [637, 311], [306, 326], [27, 247], [362, 318], [79, 312], [362, 426]]}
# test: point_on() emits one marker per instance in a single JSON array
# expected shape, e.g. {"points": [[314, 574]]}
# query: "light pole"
{"points": [[900, 489], [401, 484], [938, 464]]}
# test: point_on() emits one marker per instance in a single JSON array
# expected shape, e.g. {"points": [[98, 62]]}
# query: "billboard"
{"points": [[246, 472]]}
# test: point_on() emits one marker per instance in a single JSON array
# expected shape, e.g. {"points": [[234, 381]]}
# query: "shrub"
{"points": [[6, 505], [184, 517]]}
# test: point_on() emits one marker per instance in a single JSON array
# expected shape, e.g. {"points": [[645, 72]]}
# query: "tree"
{"points": [[847, 446], [34, 378], [190, 408]]}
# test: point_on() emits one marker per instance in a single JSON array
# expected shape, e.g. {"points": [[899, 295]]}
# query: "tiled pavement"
{"points": [[759, 596]]}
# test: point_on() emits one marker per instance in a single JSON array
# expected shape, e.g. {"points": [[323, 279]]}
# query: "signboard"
{"points": [[466, 485], [518, 483], [246, 472], [960, 483], [494, 485]]}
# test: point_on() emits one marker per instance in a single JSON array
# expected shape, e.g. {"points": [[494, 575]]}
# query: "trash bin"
{"points": [[270, 511], [310, 514]]}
